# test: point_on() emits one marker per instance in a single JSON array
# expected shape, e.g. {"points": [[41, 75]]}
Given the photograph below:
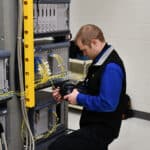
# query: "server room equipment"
{"points": [[47, 116], [51, 62], [51, 17], [43, 118], [4, 76], [5, 95], [48, 119]]}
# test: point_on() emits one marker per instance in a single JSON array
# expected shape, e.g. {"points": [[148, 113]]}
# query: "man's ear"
{"points": [[94, 43]]}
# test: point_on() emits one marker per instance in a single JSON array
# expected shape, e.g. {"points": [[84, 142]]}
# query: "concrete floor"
{"points": [[134, 134]]}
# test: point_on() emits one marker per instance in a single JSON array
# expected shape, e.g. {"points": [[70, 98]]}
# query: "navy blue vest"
{"points": [[108, 122]]}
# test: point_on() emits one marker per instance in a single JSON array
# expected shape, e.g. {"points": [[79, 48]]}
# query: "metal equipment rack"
{"points": [[46, 55]]}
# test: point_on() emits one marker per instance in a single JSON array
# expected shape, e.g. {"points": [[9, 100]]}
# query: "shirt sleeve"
{"points": [[109, 94]]}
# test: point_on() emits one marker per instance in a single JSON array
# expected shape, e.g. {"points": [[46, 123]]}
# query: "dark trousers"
{"points": [[87, 138]]}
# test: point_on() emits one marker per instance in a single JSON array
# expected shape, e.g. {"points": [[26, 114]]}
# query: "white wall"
{"points": [[126, 25]]}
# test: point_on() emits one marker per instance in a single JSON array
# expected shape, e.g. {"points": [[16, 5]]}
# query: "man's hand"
{"points": [[72, 97], [56, 95]]}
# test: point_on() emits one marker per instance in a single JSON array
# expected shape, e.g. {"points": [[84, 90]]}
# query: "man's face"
{"points": [[86, 50]]}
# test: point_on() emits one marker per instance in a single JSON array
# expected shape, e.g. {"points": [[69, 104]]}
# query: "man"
{"points": [[105, 90]]}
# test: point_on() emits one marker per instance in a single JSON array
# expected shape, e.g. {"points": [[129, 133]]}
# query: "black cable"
{"points": [[1, 129]]}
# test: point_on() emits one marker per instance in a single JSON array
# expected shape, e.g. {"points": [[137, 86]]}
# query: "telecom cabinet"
{"points": [[48, 119]]}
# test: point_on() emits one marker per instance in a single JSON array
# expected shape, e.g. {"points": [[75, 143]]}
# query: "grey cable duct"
{"points": [[29, 134]]}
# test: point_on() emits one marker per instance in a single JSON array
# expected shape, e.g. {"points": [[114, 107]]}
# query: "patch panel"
{"points": [[47, 116], [51, 17], [52, 61]]}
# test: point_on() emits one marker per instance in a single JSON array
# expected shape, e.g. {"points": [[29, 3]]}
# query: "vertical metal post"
{"points": [[29, 53]]}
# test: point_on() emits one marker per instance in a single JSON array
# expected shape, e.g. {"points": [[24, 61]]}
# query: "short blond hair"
{"points": [[88, 32]]}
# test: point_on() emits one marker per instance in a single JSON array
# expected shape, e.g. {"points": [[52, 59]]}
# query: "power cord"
{"points": [[3, 143]]}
